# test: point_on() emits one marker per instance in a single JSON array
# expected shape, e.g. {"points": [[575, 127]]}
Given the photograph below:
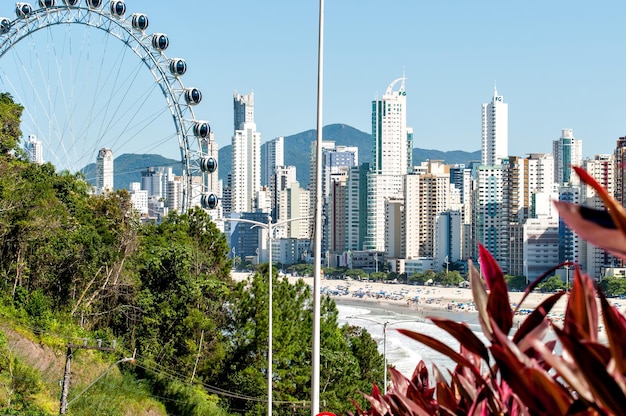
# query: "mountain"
{"points": [[128, 168], [298, 149]]}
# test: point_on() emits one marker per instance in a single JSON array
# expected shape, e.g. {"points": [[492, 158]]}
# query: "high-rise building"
{"points": [[487, 224], [356, 202], [539, 187], [540, 245], [569, 242], [104, 171], [392, 145], [282, 178], [620, 171], [337, 216], [380, 187], [495, 131], [34, 148], [273, 155], [246, 155], [433, 199], [294, 203], [448, 234], [568, 152], [602, 169], [138, 197], [392, 148]]}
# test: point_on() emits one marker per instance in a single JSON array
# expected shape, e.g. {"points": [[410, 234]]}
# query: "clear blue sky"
{"points": [[558, 64]]}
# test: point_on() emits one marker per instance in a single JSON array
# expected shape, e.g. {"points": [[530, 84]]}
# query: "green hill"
{"points": [[128, 168], [298, 149]]}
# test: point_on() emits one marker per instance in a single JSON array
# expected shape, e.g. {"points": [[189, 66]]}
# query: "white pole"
{"points": [[269, 226], [270, 319], [315, 352], [385, 355]]}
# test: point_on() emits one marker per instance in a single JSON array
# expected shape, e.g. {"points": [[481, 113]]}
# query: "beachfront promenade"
{"points": [[424, 301]]}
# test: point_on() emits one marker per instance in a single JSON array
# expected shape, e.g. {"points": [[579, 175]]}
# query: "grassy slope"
{"points": [[119, 394]]}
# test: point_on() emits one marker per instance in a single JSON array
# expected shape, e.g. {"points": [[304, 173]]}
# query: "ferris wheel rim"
{"points": [[180, 100]]}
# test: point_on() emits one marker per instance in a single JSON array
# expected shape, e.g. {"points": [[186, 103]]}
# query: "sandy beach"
{"points": [[410, 299], [416, 304], [424, 301]]}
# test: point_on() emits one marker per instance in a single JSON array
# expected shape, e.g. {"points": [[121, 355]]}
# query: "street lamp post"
{"points": [[269, 226], [385, 325], [317, 246]]}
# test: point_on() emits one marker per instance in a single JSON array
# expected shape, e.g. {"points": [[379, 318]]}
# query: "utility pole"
{"points": [[68, 359]]}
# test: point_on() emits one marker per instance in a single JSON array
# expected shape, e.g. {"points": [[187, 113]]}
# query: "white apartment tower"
{"points": [[488, 221], [495, 131], [392, 145], [246, 153], [34, 149], [601, 168], [273, 153], [104, 171], [568, 152]]}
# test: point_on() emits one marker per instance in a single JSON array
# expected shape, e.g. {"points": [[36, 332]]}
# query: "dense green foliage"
{"points": [[552, 284], [350, 360], [515, 282], [613, 285], [73, 264]]}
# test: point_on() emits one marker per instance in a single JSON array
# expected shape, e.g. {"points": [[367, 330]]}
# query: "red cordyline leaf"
{"points": [[399, 381], [466, 337], [606, 391], [377, 401], [581, 315], [615, 326], [420, 376], [423, 398], [445, 395], [537, 317], [481, 299], [612, 240], [466, 388], [571, 374], [616, 210], [442, 348], [532, 384], [537, 390], [498, 304]]}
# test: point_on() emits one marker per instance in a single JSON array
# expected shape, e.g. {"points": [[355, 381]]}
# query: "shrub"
{"points": [[520, 373]]}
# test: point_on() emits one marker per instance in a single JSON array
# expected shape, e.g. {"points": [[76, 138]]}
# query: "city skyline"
{"points": [[554, 63]]}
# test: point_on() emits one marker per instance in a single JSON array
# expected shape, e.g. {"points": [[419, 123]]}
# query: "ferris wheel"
{"points": [[84, 90]]}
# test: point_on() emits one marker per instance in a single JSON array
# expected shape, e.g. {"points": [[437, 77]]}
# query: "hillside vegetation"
{"points": [[75, 268]]}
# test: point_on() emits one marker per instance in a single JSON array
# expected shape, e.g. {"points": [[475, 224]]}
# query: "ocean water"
{"points": [[403, 352]]}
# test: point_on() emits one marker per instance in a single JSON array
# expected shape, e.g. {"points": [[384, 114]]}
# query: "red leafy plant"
{"points": [[519, 372]]}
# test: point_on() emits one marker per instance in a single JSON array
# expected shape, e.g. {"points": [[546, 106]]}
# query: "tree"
{"points": [[184, 272], [348, 356], [10, 119], [448, 279], [553, 284], [515, 282], [356, 273], [613, 286], [378, 276]]}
